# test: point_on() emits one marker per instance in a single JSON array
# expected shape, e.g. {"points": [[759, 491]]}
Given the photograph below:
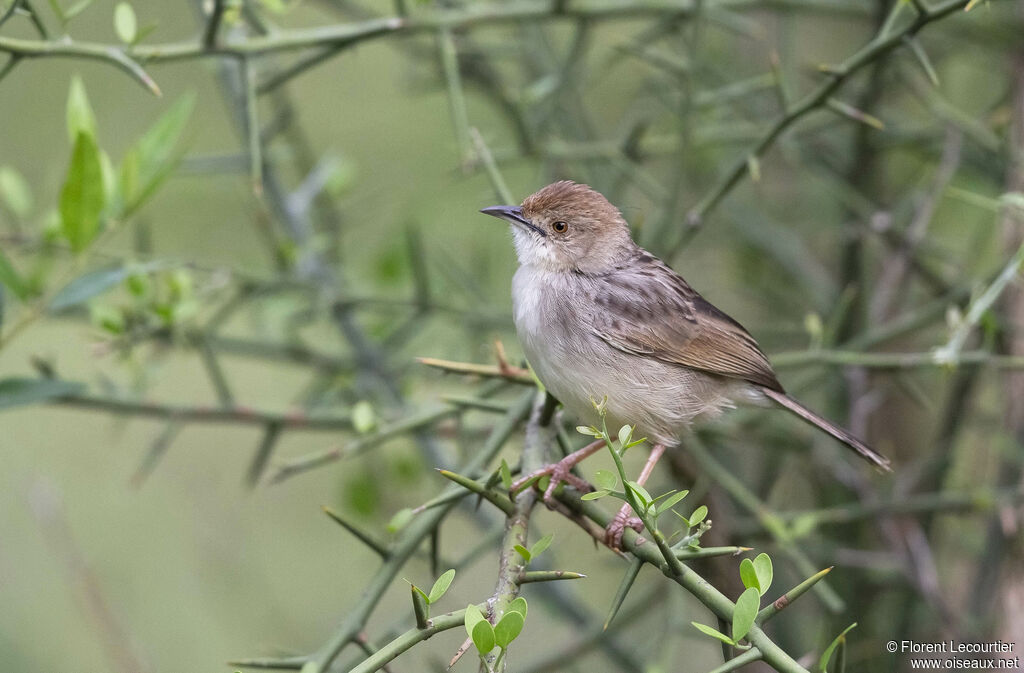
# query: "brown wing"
{"points": [[648, 309]]}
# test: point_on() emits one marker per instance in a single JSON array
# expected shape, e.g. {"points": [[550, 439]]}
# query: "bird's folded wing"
{"points": [[664, 318]]}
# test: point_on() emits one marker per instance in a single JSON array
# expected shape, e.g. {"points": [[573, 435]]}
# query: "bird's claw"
{"points": [[560, 472], [617, 528]]}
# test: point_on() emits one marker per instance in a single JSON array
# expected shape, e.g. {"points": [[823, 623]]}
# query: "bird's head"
{"points": [[567, 226]]}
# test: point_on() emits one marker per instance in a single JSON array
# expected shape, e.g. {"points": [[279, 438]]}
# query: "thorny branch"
{"points": [[554, 129]]}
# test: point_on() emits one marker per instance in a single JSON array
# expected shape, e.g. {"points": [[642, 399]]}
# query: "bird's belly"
{"points": [[579, 369]]}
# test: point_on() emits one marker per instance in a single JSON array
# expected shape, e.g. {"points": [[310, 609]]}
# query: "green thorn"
{"points": [[623, 590], [785, 599]]}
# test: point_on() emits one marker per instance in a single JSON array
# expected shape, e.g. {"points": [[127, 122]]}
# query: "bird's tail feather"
{"points": [[865, 451]]}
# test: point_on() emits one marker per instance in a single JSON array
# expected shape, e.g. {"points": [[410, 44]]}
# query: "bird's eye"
{"points": [[560, 227]]}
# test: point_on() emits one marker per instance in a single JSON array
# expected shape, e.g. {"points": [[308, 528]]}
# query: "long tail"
{"points": [[865, 451]]}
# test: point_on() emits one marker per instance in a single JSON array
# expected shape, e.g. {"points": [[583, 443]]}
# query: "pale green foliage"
{"points": [[364, 418], [839, 641], [125, 23], [538, 547], [82, 198], [441, 586]]}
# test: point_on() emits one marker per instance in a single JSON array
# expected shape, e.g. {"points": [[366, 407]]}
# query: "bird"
{"points": [[601, 318]]}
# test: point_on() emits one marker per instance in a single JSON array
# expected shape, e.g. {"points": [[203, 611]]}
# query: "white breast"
{"points": [[578, 367]]}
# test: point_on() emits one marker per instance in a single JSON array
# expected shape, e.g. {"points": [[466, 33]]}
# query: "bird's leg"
{"points": [[613, 533], [561, 471]]}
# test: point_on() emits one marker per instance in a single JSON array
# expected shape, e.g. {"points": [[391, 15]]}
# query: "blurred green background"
{"points": [[193, 568]]}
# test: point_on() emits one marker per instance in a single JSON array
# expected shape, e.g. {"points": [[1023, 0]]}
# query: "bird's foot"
{"points": [[617, 528], [560, 472]]}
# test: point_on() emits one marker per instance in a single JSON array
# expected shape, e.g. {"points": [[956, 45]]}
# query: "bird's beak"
{"points": [[513, 214]]}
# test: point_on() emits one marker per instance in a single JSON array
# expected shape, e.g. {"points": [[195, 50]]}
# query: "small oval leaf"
{"points": [[15, 192], [763, 567], [519, 605], [640, 492], [508, 628], [749, 575], [401, 518], [672, 501], [125, 24], [441, 585], [364, 418], [606, 479], [714, 633], [744, 613], [473, 617], [82, 197], [80, 117], [483, 636], [541, 545]]}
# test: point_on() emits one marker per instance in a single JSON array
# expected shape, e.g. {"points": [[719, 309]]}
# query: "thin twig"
{"points": [[878, 47]]}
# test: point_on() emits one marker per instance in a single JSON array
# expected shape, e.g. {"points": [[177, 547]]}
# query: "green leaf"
{"points": [[148, 163], [754, 166], [524, 552], [76, 9], [803, 525], [749, 575], [364, 419], [744, 613], [672, 501], [89, 285], [110, 185], [483, 637], [16, 392], [80, 117], [125, 25], [82, 198], [15, 192], [640, 492], [107, 318], [144, 32], [765, 573], [594, 495], [11, 279], [400, 520], [625, 434], [714, 633], [698, 515], [57, 9], [538, 548], [827, 654], [506, 474], [519, 605], [606, 479], [473, 617], [441, 586], [508, 628], [588, 430]]}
